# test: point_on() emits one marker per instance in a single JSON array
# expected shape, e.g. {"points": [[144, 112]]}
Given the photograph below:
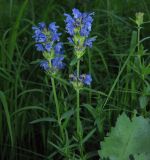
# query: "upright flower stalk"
{"points": [[139, 22], [47, 40], [78, 26], [78, 98]]}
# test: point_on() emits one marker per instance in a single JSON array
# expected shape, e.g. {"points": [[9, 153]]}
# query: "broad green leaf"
{"points": [[142, 156], [126, 138]]}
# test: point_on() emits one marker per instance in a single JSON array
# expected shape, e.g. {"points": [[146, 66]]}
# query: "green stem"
{"points": [[57, 106], [78, 100], [139, 38], [139, 56], [78, 112], [78, 68], [143, 78], [55, 98]]}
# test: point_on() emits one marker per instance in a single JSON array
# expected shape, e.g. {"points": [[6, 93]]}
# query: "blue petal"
{"points": [[42, 25], [39, 47], [87, 79], [76, 13], [89, 42], [70, 40], [58, 48], [55, 36], [41, 38], [44, 65], [57, 62], [53, 27], [48, 47], [69, 24]]}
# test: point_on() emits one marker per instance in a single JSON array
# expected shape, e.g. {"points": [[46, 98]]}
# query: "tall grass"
{"points": [[26, 95]]}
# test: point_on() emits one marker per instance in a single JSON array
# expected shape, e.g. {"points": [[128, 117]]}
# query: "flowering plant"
{"points": [[78, 27], [47, 41]]}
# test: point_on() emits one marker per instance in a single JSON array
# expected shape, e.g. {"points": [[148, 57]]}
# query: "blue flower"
{"points": [[52, 27], [36, 33], [87, 24], [70, 40], [42, 25], [39, 47], [83, 78], [76, 13], [57, 62], [44, 65], [58, 48], [69, 24], [88, 79], [55, 36], [39, 37], [48, 47], [89, 42]]}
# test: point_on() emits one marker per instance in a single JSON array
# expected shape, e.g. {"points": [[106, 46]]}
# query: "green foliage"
{"points": [[7, 114], [126, 138], [120, 81], [143, 101], [142, 156]]}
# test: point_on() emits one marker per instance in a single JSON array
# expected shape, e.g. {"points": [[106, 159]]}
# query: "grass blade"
{"points": [[5, 105]]}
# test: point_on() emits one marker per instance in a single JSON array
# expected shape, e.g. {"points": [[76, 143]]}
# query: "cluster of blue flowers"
{"points": [[82, 79], [79, 27], [47, 41]]}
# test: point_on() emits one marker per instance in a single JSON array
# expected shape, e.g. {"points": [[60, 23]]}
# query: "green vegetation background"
{"points": [[25, 93]]}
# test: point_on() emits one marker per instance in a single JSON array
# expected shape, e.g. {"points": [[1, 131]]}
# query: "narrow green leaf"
{"points": [[29, 108], [132, 48], [143, 101], [67, 114], [13, 36], [48, 119], [90, 109], [5, 105], [74, 61], [88, 135], [94, 91], [29, 91]]}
